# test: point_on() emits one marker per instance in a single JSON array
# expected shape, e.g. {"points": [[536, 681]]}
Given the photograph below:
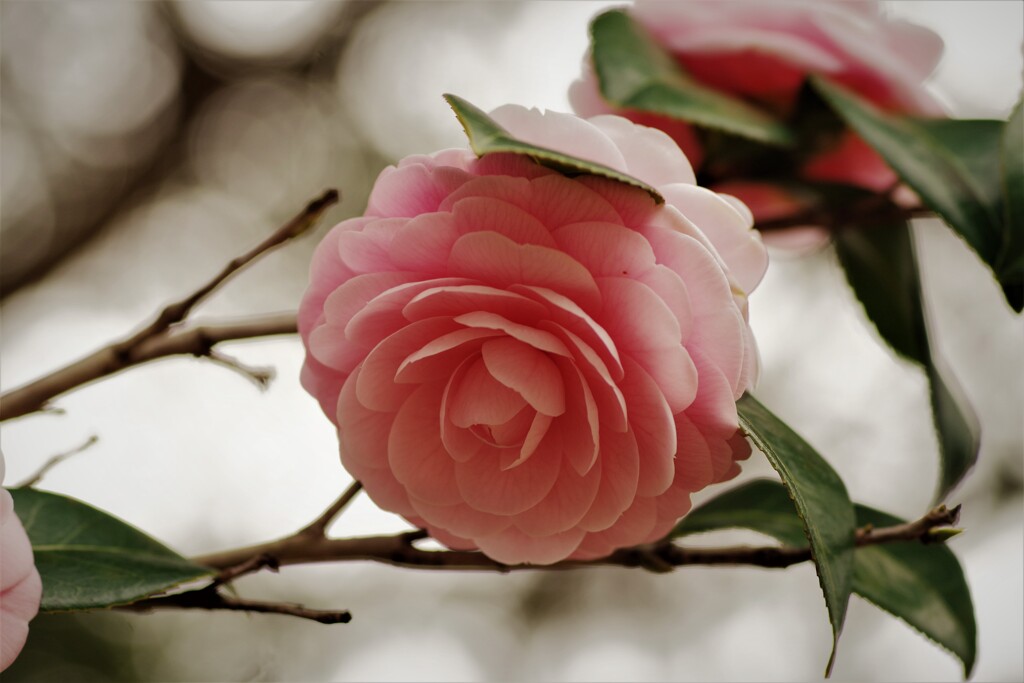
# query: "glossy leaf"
{"points": [[953, 167], [88, 559], [821, 502], [1011, 262], [487, 137], [881, 268], [921, 584], [635, 72]]}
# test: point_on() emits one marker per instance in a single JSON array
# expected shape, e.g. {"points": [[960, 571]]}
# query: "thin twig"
{"points": [[318, 527], [260, 376], [56, 460], [179, 310], [399, 550], [165, 336], [210, 598]]}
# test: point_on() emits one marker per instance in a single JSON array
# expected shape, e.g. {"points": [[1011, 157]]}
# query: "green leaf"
{"points": [[943, 182], [634, 72], [487, 137], [1011, 262], [974, 143], [88, 559], [821, 502], [921, 584], [761, 505], [881, 268]]}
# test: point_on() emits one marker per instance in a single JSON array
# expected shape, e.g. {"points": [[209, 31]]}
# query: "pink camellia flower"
{"points": [[20, 586], [536, 365], [762, 52]]}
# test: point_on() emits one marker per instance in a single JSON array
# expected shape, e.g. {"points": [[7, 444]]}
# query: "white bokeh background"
{"points": [[298, 96]]}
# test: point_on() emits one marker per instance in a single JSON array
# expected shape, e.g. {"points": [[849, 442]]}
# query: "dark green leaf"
{"points": [[921, 584], [634, 72], [761, 505], [942, 181], [88, 559], [974, 143], [1011, 262], [881, 268], [820, 499], [487, 137]]}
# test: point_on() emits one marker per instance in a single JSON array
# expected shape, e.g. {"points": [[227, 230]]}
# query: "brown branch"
{"points": [[166, 336], [179, 310], [318, 527], [209, 598], [399, 550], [35, 478]]}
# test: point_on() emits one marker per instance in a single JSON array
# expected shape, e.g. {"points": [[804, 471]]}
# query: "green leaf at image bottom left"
{"points": [[88, 559]]}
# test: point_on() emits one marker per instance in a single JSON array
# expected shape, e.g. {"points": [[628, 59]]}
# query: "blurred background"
{"points": [[143, 144]]}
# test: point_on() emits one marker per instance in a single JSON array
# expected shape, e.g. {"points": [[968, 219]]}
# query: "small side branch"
{"points": [[56, 460], [166, 336], [209, 598], [318, 527]]}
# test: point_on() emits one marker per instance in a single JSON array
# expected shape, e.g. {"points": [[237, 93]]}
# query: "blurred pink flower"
{"points": [[530, 364], [20, 586], [763, 51]]}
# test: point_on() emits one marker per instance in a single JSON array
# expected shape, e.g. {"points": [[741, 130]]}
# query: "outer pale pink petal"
{"points": [[606, 249], [413, 189], [384, 315], [511, 166], [20, 587], [369, 250], [455, 301], [562, 132], [441, 356], [652, 423], [563, 508], [538, 339], [667, 284], [736, 241], [620, 473], [479, 214], [385, 491], [376, 386], [611, 405], [694, 469], [515, 547], [424, 243], [363, 432], [323, 384], [460, 519], [644, 327], [651, 155], [527, 371], [564, 312], [20, 605], [416, 455], [556, 201], [326, 273], [353, 296], [632, 205], [511, 190], [633, 526], [498, 261], [486, 486], [717, 324], [715, 405], [479, 399]]}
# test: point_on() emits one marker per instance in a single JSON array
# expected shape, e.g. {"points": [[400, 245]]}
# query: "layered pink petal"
{"points": [[539, 366]]}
